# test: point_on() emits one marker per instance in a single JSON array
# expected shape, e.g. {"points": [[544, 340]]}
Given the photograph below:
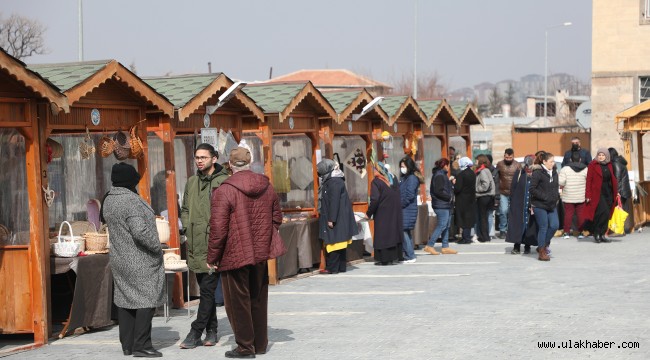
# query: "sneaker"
{"points": [[192, 340], [581, 236], [211, 338], [411, 261], [515, 252], [527, 250], [502, 235], [566, 236]]}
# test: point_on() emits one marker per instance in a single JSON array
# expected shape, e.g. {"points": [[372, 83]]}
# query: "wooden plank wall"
{"points": [[16, 310]]}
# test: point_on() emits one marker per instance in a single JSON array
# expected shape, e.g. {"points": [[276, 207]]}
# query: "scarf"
{"points": [[464, 163], [480, 168], [605, 152]]}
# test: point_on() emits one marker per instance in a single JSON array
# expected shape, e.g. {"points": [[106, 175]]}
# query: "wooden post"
{"points": [[267, 154], [143, 162]]}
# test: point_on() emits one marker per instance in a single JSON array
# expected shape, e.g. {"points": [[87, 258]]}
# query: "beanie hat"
{"points": [[124, 175]]}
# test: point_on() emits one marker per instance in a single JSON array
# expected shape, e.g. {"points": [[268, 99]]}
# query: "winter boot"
{"points": [[192, 340]]}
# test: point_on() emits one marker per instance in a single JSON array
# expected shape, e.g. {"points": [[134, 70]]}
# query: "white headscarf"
{"points": [[464, 163]]}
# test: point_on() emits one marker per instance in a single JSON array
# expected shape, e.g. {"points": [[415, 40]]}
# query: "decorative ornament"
{"points": [[95, 117], [49, 195], [206, 121], [291, 122], [356, 162]]}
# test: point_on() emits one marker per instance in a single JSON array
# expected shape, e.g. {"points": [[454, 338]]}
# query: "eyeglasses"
{"points": [[202, 158]]}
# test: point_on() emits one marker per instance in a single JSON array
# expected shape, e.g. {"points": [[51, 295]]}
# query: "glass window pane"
{"points": [[395, 154], [432, 152], [157, 180], [293, 176], [255, 143], [352, 154], [14, 203]]}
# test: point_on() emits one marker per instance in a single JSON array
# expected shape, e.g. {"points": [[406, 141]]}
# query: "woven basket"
{"points": [[5, 234], [95, 241], [57, 148], [122, 146], [79, 228], [86, 147], [68, 246], [106, 146], [137, 149], [162, 226]]}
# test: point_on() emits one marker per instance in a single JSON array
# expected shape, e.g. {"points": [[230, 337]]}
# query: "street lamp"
{"points": [[546, 70]]}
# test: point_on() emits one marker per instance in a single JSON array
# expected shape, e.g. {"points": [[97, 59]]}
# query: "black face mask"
{"points": [[575, 147]]}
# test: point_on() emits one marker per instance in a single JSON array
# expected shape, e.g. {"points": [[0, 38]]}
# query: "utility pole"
{"points": [[415, 53], [81, 32]]}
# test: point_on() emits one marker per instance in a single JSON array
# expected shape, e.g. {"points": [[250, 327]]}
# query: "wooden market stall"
{"points": [[467, 116], [106, 101], [172, 140], [441, 117], [636, 125], [295, 114], [24, 246]]}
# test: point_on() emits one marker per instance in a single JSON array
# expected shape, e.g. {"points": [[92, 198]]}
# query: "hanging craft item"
{"points": [[5, 234], [86, 146], [122, 146], [301, 172], [356, 162], [386, 141], [106, 146], [410, 146], [54, 149], [280, 170], [49, 195], [137, 150]]}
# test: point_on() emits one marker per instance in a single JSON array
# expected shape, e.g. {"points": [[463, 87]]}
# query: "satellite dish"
{"points": [[583, 115]]}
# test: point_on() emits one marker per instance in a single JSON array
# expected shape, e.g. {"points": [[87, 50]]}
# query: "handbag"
{"points": [[617, 222]]}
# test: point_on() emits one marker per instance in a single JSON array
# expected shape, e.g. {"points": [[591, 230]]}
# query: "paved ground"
{"points": [[482, 303]]}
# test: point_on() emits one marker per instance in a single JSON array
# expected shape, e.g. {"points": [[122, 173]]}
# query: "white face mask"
{"points": [[403, 170]]}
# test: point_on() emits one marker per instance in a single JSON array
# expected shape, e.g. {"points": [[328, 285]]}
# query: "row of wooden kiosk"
{"points": [[288, 126]]}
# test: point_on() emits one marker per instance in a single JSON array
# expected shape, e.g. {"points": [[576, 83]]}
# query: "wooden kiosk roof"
{"points": [[640, 112], [395, 106], [345, 102], [33, 81], [283, 98], [78, 79], [189, 92], [438, 109], [466, 114]]}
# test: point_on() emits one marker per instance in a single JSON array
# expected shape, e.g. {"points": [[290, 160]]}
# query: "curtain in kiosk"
{"points": [[14, 204]]}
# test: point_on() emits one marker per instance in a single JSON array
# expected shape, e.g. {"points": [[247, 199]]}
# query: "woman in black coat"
{"points": [[386, 209], [544, 196], [619, 165], [465, 190], [336, 222], [521, 226]]}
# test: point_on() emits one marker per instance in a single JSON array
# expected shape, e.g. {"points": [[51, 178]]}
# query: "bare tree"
{"points": [[511, 99], [132, 67], [22, 37], [430, 86], [495, 102]]}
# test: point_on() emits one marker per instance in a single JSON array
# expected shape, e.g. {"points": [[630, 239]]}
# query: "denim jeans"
{"points": [[548, 223], [407, 247], [504, 206], [442, 227]]}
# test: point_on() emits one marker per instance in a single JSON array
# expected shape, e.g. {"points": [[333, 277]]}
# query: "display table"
{"points": [[421, 231], [303, 247], [166, 303], [93, 291]]}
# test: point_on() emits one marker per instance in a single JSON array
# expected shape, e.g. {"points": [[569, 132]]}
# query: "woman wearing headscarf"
{"points": [[544, 193], [600, 194], [619, 164], [465, 190], [386, 209], [485, 190], [442, 202], [336, 222], [521, 226], [408, 188], [136, 260]]}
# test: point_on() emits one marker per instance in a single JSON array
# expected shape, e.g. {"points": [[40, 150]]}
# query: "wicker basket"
{"points": [[57, 148], [95, 241], [86, 147], [137, 149], [162, 226], [80, 228], [122, 146], [106, 146], [5, 234], [68, 246]]}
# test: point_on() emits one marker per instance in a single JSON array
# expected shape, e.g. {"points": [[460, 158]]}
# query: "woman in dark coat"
{"points": [[619, 164], [408, 188], [600, 194], [442, 202], [336, 222], [544, 196], [386, 209], [521, 226], [465, 190], [136, 260]]}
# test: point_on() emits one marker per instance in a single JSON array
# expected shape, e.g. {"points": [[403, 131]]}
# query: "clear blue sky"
{"points": [[465, 41]]}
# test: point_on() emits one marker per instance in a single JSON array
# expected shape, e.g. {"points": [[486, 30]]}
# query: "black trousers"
{"points": [[246, 294], [206, 315], [135, 328], [601, 216], [336, 261], [485, 204]]}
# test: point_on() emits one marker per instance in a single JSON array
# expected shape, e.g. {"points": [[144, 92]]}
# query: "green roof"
{"points": [[340, 100], [458, 108], [391, 104], [68, 75], [181, 89], [429, 106], [273, 98]]}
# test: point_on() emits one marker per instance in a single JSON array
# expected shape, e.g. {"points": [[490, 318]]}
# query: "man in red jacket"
{"points": [[244, 234]]}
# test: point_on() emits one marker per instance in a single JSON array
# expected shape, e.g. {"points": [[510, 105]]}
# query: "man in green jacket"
{"points": [[195, 216]]}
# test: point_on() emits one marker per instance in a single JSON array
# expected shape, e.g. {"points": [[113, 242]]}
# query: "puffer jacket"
{"points": [[244, 225], [195, 215], [408, 189], [441, 190], [506, 172], [544, 193], [485, 183], [619, 164], [573, 179]]}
